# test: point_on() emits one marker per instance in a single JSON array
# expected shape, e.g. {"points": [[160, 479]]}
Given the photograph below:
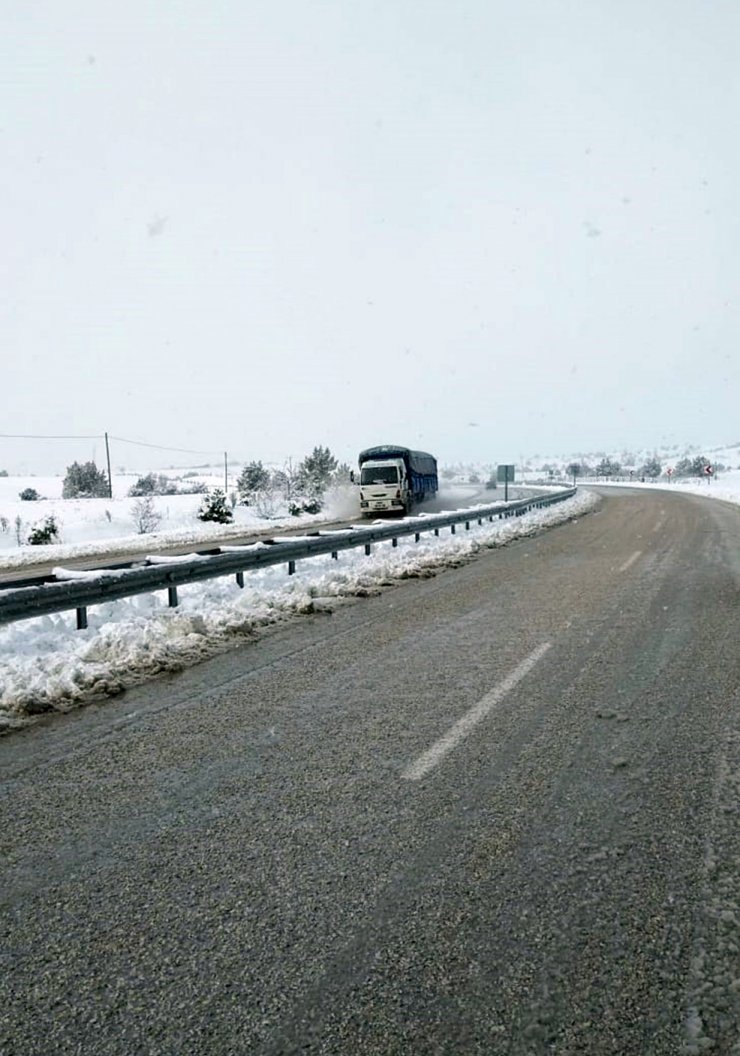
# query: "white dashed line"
{"points": [[630, 561], [471, 718]]}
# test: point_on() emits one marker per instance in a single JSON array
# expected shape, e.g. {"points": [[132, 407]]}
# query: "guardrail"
{"points": [[79, 590]]}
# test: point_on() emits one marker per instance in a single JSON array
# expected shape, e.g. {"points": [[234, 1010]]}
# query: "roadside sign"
{"points": [[669, 471], [708, 470], [505, 474]]}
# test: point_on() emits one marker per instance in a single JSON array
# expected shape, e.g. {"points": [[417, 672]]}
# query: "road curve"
{"points": [[492, 812]]}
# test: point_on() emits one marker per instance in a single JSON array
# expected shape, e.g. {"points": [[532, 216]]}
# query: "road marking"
{"points": [[471, 718], [630, 561]]}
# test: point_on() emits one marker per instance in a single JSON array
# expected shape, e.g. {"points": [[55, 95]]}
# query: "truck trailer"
{"points": [[394, 479]]}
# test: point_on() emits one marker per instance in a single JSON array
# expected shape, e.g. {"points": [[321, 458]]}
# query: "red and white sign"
{"points": [[708, 470], [669, 471]]}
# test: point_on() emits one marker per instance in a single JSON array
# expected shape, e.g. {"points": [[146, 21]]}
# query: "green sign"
{"points": [[505, 474]]}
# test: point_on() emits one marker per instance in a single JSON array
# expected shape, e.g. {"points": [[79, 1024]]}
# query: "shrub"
{"points": [[267, 502], [44, 532], [213, 507], [153, 484], [29, 495], [196, 488], [307, 506]]}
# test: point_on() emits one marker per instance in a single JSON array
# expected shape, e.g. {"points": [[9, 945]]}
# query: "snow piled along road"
{"points": [[47, 665]]}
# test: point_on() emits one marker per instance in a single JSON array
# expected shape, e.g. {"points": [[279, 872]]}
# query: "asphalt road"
{"points": [[491, 812]]}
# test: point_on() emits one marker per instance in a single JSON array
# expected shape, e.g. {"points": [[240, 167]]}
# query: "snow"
{"points": [[48, 665], [727, 487], [106, 526]]}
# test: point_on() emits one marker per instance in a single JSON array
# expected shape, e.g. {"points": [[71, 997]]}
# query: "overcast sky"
{"points": [[485, 229]]}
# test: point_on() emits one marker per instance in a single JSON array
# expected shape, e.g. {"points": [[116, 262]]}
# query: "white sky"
{"points": [[261, 226]]}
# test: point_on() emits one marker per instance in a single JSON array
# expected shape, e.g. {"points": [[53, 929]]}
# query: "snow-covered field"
{"points": [[726, 488], [47, 665], [108, 525]]}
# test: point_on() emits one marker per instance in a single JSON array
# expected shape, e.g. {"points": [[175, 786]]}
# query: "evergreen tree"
{"points": [[691, 467], [316, 471], [651, 467], [608, 468], [213, 507], [85, 481], [252, 479], [342, 474]]}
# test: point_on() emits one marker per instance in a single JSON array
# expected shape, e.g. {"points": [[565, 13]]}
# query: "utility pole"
{"points": [[110, 478]]}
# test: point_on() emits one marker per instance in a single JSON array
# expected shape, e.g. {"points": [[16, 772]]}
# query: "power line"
{"points": [[33, 436], [101, 436], [160, 447]]}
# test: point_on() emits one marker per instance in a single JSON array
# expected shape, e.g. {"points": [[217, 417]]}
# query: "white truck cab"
{"points": [[383, 486]]}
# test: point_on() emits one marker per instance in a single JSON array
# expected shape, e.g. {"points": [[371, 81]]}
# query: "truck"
{"points": [[394, 479]]}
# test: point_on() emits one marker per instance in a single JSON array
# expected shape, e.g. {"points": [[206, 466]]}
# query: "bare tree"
{"points": [[288, 480], [144, 515]]}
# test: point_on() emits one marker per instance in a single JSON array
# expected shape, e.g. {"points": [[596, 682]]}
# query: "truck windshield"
{"points": [[379, 475]]}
